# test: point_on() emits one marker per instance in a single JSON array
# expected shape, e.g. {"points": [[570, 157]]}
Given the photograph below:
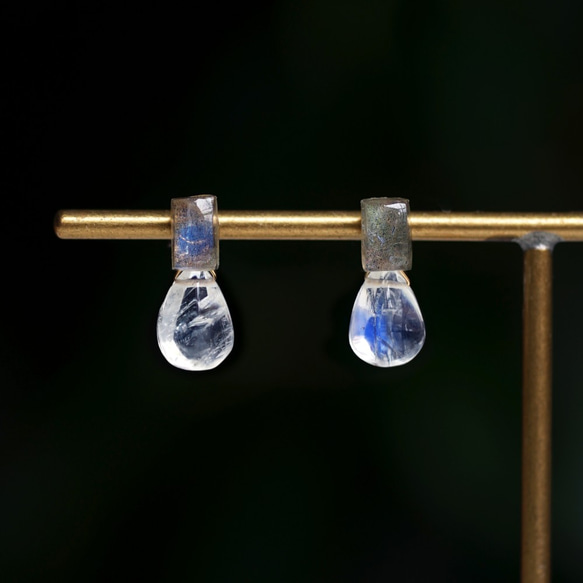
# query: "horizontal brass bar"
{"points": [[318, 225]]}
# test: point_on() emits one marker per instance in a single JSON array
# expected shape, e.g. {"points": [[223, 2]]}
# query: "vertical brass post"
{"points": [[536, 408]]}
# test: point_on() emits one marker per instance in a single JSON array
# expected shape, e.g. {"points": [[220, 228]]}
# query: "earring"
{"points": [[195, 330], [386, 326]]}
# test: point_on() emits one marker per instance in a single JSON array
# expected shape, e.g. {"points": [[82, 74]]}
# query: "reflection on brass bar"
{"points": [[536, 416], [494, 226], [76, 224], [308, 225], [276, 225]]}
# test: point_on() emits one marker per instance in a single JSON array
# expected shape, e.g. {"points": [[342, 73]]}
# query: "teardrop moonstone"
{"points": [[195, 330], [386, 327]]}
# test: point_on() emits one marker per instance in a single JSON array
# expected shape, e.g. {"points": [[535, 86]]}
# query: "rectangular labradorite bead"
{"points": [[195, 233], [386, 238]]}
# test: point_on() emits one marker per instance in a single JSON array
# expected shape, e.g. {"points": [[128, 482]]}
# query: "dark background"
{"points": [[292, 461]]}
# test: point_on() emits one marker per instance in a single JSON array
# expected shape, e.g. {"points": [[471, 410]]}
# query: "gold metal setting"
{"points": [[403, 274], [179, 271]]}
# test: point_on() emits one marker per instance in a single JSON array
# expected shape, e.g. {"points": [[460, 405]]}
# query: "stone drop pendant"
{"points": [[195, 330], [386, 327]]}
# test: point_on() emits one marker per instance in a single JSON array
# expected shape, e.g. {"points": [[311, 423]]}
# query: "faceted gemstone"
{"points": [[386, 237], [195, 233], [195, 330], [386, 327]]}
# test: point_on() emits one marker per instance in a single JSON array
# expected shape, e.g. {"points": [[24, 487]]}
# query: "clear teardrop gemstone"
{"points": [[386, 326], [195, 330]]}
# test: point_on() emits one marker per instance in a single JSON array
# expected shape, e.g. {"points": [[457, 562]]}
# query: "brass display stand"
{"points": [[535, 232]]}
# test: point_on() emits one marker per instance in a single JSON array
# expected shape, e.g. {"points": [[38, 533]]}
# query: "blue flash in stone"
{"points": [[386, 327], [195, 238]]}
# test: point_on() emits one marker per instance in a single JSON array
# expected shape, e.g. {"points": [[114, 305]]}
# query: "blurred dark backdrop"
{"points": [[293, 461]]}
